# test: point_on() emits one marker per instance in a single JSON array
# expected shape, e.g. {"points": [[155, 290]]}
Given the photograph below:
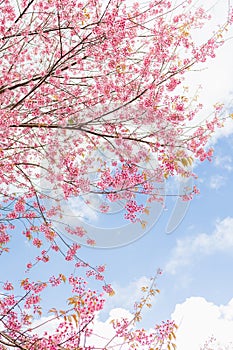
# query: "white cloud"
{"points": [[215, 75], [75, 208], [103, 332], [45, 324], [227, 130], [187, 248], [199, 319]]}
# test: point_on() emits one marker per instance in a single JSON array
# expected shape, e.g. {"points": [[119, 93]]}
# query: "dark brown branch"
{"points": [[24, 11], [37, 32]]}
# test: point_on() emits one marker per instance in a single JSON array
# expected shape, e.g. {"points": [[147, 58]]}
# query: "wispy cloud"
{"points": [[224, 161], [187, 248], [126, 296], [217, 181]]}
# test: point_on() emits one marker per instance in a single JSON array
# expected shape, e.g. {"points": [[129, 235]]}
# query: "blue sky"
{"points": [[197, 258]]}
